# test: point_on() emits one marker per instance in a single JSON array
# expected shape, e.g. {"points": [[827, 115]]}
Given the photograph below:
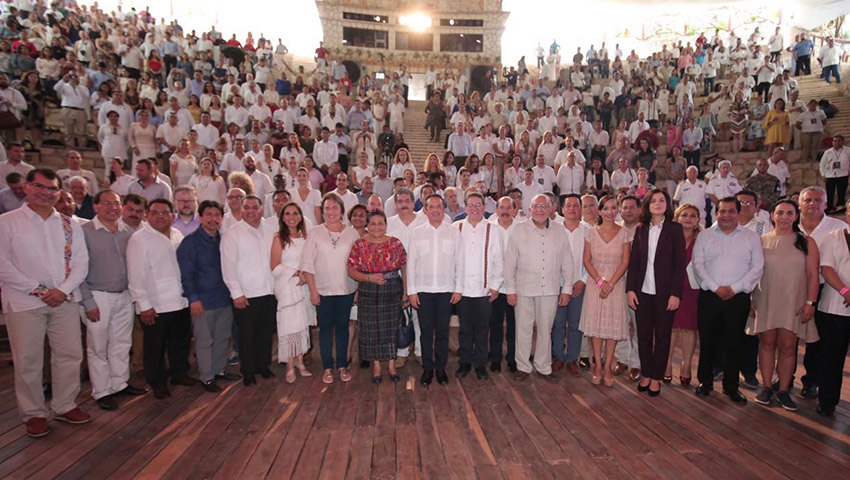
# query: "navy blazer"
{"points": [[669, 260]]}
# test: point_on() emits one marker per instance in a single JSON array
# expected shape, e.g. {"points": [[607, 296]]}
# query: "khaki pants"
{"points": [[810, 142], [75, 122], [27, 330], [530, 312]]}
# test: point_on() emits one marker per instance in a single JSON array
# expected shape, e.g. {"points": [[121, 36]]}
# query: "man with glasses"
{"points": [[44, 262], [186, 221], [538, 279], [109, 309]]}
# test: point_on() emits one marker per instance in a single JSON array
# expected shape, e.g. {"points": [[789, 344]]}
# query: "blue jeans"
{"points": [[333, 314], [566, 326], [832, 69]]}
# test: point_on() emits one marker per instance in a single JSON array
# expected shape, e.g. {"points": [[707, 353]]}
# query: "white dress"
{"points": [[293, 316], [308, 205], [208, 189]]}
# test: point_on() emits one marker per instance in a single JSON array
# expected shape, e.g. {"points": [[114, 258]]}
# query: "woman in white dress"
{"points": [[293, 321], [308, 198], [207, 183], [142, 138], [183, 164], [119, 182]]}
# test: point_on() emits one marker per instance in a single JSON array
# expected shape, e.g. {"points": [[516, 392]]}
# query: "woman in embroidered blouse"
{"points": [[324, 267], [377, 262]]}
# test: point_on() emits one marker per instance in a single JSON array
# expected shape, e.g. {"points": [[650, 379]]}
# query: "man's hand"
{"points": [[54, 297], [455, 298], [494, 294], [512, 299], [93, 315], [196, 308], [148, 317], [578, 288], [240, 303], [725, 292], [564, 300]]}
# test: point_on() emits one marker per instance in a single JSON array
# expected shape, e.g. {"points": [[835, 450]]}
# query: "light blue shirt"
{"points": [[460, 145], [735, 259]]}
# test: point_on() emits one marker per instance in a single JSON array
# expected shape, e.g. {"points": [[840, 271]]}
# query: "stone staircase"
{"points": [[417, 137]]}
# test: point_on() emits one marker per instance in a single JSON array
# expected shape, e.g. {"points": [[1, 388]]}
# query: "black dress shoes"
{"points": [[132, 391], [266, 373], [107, 403], [512, 367], [496, 367], [249, 380], [442, 378], [427, 377], [211, 386], [463, 370], [736, 396], [481, 373], [161, 391], [825, 412], [227, 376], [703, 390]]}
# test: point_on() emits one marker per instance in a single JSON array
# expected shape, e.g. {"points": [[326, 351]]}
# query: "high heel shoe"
{"points": [[290, 376], [395, 377], [685, 381], [667, 379], [642, 388], [655, 393], [595, 379]]}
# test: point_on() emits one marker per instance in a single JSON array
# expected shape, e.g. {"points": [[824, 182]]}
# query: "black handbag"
{"points": [[404, 332]]}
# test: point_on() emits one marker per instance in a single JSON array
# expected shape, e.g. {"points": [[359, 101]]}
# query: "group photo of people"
{"points": [[226, 215]]}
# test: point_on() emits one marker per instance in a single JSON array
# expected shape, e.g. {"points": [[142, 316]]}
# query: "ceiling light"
{"points": [[416, 21]]}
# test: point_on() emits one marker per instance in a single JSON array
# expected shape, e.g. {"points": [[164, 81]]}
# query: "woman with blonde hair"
{"points": [[685, 319], [208, 183], [401, 162]]}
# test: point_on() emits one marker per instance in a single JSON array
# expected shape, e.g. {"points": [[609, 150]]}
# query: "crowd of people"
{"points": [[258, 207]]}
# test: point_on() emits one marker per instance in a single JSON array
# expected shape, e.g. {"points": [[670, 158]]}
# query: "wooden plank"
{"points": [[430, 449], [299, 429], [408, 464], [310, 461], [360, 455], [384, 448], [336, 455]]}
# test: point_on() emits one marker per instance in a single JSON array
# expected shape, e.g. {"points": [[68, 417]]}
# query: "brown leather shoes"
{"points": [[634, 375], [557, 365], [75, 416], [37, 427], [620, 368], [573, 368]]}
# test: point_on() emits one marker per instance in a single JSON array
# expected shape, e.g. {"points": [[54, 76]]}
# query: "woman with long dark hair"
{"points": [[293, 324], [654, 285], [784, 301]]}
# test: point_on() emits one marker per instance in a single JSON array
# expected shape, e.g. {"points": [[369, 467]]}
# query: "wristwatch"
{"points": [[810, 303]]}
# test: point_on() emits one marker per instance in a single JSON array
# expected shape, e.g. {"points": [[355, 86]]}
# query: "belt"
{"points": [[107, 291], [393, 274], [73, 108]]}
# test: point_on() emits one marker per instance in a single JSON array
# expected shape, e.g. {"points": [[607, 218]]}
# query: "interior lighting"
{"points": [[416, 21]]}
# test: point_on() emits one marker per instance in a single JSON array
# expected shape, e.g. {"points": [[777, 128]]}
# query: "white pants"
{"points": [[27, 330], [397, 125], [531, 312], [417, 347], [108, 343], [627, 350]]}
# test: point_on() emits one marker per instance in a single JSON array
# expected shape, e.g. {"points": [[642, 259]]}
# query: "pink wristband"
{"points": [[844, 290], [600, 282]]}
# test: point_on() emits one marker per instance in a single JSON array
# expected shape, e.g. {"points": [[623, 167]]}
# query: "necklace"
{"points": [[334, 241]]}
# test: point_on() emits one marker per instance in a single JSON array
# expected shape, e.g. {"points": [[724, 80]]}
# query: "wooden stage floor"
{"points": [[468, 429]]}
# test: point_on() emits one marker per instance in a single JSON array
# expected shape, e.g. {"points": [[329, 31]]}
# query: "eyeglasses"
{"points": [[235, 197], [44, 188]]}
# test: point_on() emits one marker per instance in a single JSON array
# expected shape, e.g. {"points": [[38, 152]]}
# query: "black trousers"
{"points": [[343, 163], [405, 92], [171, 333], [502, 327], [256, 329], [692, 158], [836, 191], [835, 338], [434, 312], [654, 328], [749, 354], [721, 324], [169, 61], [474, 313], [804, 64]]}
